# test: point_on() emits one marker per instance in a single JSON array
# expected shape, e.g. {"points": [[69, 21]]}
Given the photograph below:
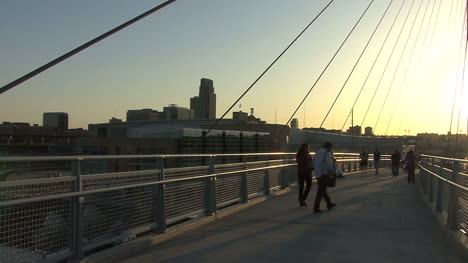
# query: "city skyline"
{"points": [[160, 59]]}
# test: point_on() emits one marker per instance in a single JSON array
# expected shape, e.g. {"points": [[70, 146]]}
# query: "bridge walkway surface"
{"points": [[377, 219]]}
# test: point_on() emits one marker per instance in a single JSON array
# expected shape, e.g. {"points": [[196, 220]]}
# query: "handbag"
{"points": [[331, 180]]}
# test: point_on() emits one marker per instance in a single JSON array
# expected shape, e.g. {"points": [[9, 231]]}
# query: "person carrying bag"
{"points": [[325, 176]]}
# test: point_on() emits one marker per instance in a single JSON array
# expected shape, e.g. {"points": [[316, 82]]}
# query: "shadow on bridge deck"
{"points": [[378, 219]]}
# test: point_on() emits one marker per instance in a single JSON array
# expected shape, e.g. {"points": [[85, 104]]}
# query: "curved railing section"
{"points": [[93, 201], [445, 182]]}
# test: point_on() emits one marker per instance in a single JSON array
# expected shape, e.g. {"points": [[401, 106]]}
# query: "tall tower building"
{"points": [[195, 105], [206, 100]]}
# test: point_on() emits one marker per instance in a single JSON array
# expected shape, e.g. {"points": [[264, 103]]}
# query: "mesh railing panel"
{"points": [[445, 196], [255, 182], [110, 214], [228, 188], [463, 210], [185, 172], [9, 191], [229, 167], [275, 177], [97, 182], [184, 198], [31, 232]]}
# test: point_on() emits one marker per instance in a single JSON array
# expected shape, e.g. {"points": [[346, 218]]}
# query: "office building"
{"points": [[55, 119], [195, 105], [145, 115], [174, 112], [354, 130], [294, 124], [239, 115], [368, 131], [207, 100]]}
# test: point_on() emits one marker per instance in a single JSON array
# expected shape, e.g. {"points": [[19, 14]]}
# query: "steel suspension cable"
{"points": [[462, 88], [355, 65], [326, 67], [408, 69], [373, 64], [268, 68], [457, 79], [432, 40], [435, 23], [420, 56], [398, 66], [81, 48], [388, 62]]}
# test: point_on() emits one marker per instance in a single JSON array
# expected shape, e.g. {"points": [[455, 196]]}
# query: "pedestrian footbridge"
{"points": [[233, 208]]}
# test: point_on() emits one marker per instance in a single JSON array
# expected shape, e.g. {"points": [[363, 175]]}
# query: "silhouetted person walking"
{"points": [[323, 164], [396, 157], [410, 165], [377, 156], [364, 156], [304, 171]]}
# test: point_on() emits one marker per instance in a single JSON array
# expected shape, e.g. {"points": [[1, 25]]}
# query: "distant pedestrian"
{"points": [[323, 164], [396, 157], [364, 156], [403, 160], [410, 165], [377, 156], [304, 173]]}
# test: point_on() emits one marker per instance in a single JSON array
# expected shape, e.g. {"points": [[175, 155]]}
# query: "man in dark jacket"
{"points": [[304, 171], [396, 156]]}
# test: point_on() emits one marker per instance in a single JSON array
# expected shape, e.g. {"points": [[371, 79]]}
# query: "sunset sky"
{"points": [[160, 60]]}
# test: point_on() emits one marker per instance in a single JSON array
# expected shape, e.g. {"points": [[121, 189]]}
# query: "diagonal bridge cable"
{"points": [[81, 48], [398, 66], [268, 68], [326, 67], [355, 65], [461, 90], [418, 69], [373, 65], [408, 69], [388, 62], [457, 79]]}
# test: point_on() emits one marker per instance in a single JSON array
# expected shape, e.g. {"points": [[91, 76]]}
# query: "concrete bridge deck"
{"points": [[377, 219]]}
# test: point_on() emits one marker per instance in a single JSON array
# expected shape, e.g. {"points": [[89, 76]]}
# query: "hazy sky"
{"points": [[160, 60]]}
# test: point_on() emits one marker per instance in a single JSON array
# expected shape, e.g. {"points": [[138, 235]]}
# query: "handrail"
{"points": [[443, 179], [106, 157], [115, 188], [445, 158]]}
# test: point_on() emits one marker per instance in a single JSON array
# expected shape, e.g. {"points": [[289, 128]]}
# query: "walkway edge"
{"points": [[111, 254]]}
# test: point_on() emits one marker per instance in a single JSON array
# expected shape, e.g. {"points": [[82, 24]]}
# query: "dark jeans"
{"points": [[321, 192], [307, 179], [395, 170], [411, 174]]}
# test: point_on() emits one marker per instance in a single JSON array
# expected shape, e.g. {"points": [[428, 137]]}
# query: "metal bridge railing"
{"points": [[60, 218], [445, 182]]}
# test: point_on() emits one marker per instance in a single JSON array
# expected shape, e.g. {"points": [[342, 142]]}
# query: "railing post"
{"points": [[430, 187], [355, 166], [452, 219], [284, 172], [161, 200], [349, 167], [77, 246], [244, 196], [211, 189], [266, 179]]}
